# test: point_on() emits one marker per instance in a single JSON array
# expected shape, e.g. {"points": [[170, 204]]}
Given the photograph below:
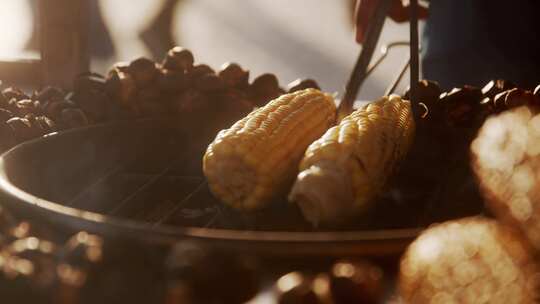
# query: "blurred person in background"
{"points": [[472, 42], [100, 41], [157, 36]]}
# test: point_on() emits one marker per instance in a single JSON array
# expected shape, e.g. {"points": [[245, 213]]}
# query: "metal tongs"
{"points": [[362, 69]]}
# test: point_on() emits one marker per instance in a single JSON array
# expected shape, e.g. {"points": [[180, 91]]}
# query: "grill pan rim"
{"points": [[20, 199]]}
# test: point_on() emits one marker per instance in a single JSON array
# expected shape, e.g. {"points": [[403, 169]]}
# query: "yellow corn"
{"points": [[256, 160], [344, 170]]}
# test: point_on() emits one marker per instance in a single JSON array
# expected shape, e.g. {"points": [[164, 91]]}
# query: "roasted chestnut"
{"points": [[82, 250], [144, 71], [13, 92], [36, 126], [499, 102], [79, 254], [151, 108], [209, 83], [50, 94], [173, 81], [178, 59], [27, 106], [23, 129], [73, 118], [41, 253], [297, 288], [199, 71], [497, 86], [487, 106], [16, 283], [208, 273], [135, 265], [121, 85], [93, 103], [192, 101], [234, 76], [428, 94], [517, 97], [22, 230], [150, 93], [264, 88], [356, 282], [53, 109], [120, 66], [461, 106], [46, 124], [237, 100], [89, 83]]}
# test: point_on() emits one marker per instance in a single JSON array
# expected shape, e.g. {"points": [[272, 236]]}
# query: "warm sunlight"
{"points": [[16, 23]]}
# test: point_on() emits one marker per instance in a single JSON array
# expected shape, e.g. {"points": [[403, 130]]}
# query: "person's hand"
{"points": [[366, 8]]}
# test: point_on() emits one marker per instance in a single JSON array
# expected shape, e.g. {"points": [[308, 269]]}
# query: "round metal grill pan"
{"points": [[143, 179]]}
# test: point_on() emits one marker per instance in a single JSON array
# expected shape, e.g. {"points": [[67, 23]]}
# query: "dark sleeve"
{"points": [[471, 42]]}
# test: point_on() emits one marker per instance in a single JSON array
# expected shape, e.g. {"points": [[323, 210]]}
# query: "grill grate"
{"points": [[175, 195], [141, 188]]}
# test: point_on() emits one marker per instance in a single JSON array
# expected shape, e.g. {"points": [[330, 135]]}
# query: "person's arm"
{"points": [[365, 9]]}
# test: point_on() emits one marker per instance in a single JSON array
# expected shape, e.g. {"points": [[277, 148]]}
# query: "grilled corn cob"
{"points": [[349, 165], [256, 160]]}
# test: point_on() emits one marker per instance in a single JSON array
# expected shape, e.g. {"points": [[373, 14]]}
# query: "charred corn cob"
{"points": [[349, 165], [257, 159]]}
